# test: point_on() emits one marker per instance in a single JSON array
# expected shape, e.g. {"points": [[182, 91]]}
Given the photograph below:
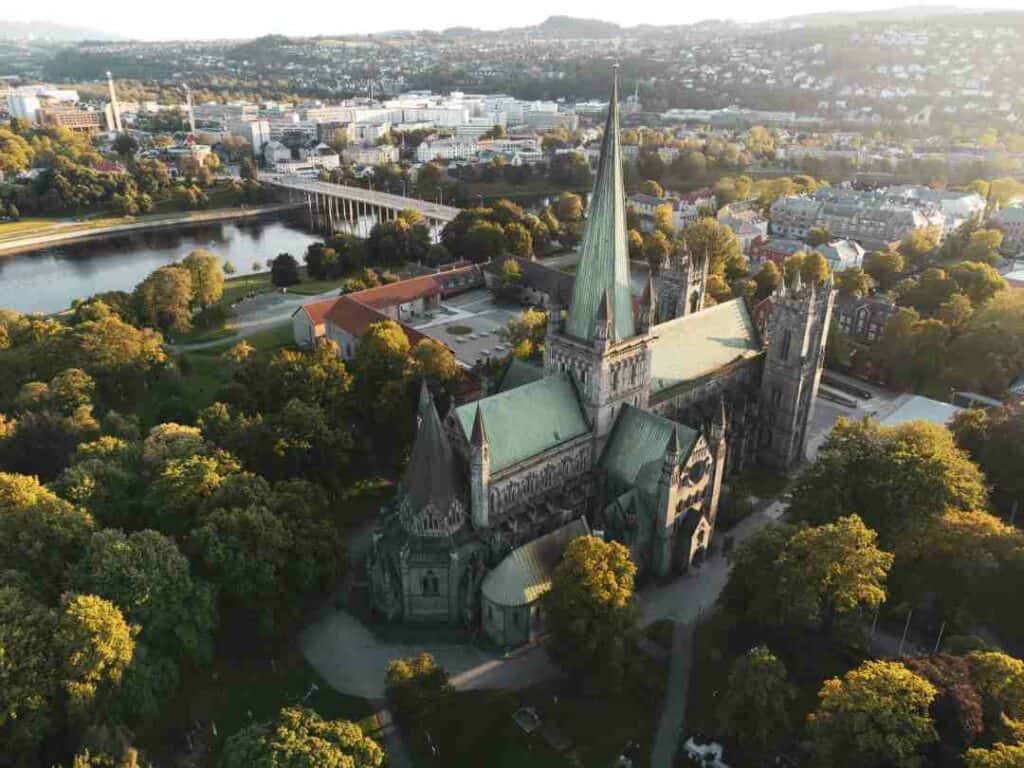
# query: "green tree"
{"points": [[284, 270], [1000, 756], [754, 709], [510, 278], [520, 242], [814, 269], [148, 579], [417, 687], [97, 645], [983, 246], [829, 571], [894, 478], [569, 207], [928, 292], [652, 188], [207, 276], [767, 279], [590, 610], [978, 281], [875, 716], [300, 738], [818, 236], [707, 236], [163, 299], [919, 244], [994, 438], [885, 267], [854, 281], [657, 247], [40, 534], [663, 221]]}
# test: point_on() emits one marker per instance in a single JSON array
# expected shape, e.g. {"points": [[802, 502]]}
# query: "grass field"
{"points": [[239, 691]]}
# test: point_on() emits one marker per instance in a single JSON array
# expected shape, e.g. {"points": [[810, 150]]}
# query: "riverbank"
{"points": [[19, 239]]}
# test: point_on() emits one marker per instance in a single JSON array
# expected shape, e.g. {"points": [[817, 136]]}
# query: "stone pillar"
{"points": [[453, 587]]}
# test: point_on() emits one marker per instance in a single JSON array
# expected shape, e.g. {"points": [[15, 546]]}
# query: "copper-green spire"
{"points": [[604, 254]]}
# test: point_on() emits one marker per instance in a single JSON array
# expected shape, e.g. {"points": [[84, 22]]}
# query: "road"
{"points": [[262, 311], [666, 738], [369, 197]]}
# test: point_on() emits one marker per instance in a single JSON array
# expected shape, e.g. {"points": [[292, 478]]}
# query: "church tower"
{"points": [[599, 343], [683, 278], [797, 330]]}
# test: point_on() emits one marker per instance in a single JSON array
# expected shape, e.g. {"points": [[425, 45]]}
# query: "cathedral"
{"points": [[641, 409]]}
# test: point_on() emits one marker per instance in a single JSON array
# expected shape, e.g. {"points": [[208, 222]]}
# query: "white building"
{"points": [[374, 155], [275, 152], [446, 149]]}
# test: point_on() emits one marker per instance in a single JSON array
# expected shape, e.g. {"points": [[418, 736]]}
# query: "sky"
{"points": [[230, 18]]}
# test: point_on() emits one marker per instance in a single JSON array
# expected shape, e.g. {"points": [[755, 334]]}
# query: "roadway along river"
{"points": [[48, 280]]}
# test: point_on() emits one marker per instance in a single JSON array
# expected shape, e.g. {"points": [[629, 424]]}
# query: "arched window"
{"points": [[431, 584]]}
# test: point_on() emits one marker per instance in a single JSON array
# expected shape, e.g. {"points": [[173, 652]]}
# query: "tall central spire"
{"points": [[603, 269]]}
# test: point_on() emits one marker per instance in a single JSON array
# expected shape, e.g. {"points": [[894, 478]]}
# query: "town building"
{"points": [[1010, 221], [863, 318], [372, 155], [627, 430]]}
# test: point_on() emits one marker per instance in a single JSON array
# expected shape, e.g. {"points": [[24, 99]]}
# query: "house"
{"points": [[275, 152], [842, 254], [776, 249], [863, 318]]}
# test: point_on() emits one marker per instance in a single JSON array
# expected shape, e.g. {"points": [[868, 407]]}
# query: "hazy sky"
{"points": [[259, 17]]}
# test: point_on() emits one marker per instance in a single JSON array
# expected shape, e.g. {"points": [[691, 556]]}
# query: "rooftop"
{"points": [[690, 347], [525, 574]]}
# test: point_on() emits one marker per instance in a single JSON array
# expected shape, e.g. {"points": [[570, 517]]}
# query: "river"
{"points": [[49, 279]]}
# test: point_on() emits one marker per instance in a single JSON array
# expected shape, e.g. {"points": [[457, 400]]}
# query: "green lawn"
{"points": [[494, 190], [238, 691]]}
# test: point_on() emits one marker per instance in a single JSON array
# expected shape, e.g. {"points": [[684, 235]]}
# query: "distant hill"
{"points": [[45, 30], [908, 13], [571, 27]]}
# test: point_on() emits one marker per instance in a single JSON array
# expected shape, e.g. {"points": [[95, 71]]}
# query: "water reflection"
{"points": [[48, 280]]}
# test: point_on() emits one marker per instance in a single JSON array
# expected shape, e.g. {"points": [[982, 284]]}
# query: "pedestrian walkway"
{"points": [[666, 739]]}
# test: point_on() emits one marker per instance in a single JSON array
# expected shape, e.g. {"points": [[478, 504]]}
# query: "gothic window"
{"points": [[787, 339], [615, 379]]}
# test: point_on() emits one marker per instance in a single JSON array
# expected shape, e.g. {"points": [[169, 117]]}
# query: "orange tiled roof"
{"points": [[356, 318], [401, 292]]}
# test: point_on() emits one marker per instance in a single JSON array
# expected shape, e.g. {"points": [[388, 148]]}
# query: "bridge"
{"points": [[330, 204]]}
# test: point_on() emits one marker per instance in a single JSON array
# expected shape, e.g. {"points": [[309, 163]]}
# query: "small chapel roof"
{"points": [[639, 438], [527, 420], [525, 574], [695, 345]]}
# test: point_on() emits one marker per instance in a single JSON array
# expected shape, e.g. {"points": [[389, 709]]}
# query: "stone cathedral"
{"points": [[640, 411]]}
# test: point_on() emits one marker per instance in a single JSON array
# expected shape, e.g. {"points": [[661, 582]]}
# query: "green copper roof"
{"points": [[527, 420], [693, 346], [518, 373], [639, 439], [604, 255], [525, 574]]}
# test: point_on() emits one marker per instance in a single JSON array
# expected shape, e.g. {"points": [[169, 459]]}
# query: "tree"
{"points": [[894, 478], [663, 221], [590, 611], [754, 709], [520, 242], [767, 279], [854, 281], [207, 276], [1000, 756], [163, 299], [485, 240], [29, 672], [284, 270], [511, 277], [814, 269], [988, 352], [97, 645], [955, 311], [884, 267], [875, 716], [829, 571], [417, 686], [657, 247], [300, 738], [652, 188], [978, 281], [983, 246], [125, 145], [919, 244], [636, 244], [148, 579], [569, 207], [994, 438], [247, 169], [40, 534], [928, 292], [707, 236], [433, 361], [1000, 678], [818, 236]]}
